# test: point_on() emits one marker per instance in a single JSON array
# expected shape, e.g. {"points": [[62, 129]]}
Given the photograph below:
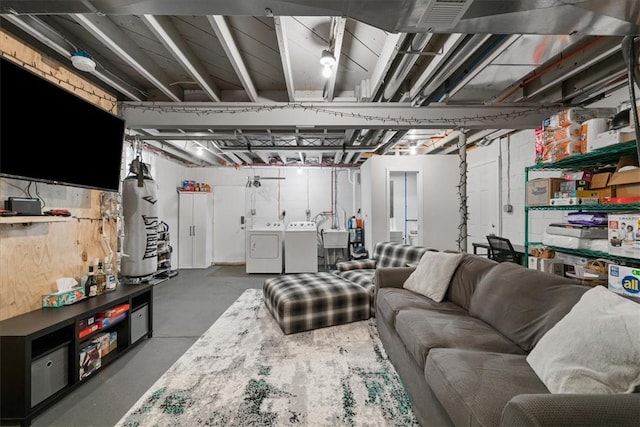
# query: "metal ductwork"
{"points": [[614, 17], [416, 45]]}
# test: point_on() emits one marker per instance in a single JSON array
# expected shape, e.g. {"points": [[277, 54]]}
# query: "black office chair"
{"points": [[501, 250]]}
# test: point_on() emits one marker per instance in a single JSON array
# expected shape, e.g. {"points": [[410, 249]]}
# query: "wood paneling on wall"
{"points": [[33, 256]]}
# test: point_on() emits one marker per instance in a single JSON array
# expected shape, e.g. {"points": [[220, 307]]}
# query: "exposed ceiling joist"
{"points": [[337, 35], [283, 43], [103, 29], [38, 29], [225, 36], [165, 31]]}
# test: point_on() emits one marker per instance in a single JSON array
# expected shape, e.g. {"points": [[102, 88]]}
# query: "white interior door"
{"points": [[228, 225], [482, 202]]}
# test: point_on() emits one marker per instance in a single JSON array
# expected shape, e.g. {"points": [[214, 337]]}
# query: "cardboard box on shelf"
{"points": [[571, 201], [541, 190], [113, 312], [626, 182], [88, 330], [578, 176], [90, 360], [624, 280], [103, 341], [624, 235], [600, 183], [110, 321], [113, 340]]}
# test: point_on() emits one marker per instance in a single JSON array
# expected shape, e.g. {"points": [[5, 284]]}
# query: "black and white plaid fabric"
{"points": [[356, 264], [305, 301], [393, 254], [386, 254], [364, 278]]}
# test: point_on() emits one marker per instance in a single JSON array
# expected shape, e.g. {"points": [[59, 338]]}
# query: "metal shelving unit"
{"points": [[606, 157]]}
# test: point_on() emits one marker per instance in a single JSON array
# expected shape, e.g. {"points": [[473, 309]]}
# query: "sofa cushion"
{"points": [[392, 254], [423, 330], [593, 349], [523, 304], [432, 275], [390, 301], [471, 269], [474, 386], [356, 264], [362, 277]]}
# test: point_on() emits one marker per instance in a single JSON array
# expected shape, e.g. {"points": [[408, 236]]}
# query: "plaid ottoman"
{"points": [[305, 301]]}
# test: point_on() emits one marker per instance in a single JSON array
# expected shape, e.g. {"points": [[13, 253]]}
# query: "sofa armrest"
{"points": [[392, 277], [356, 264], [572, 410]]}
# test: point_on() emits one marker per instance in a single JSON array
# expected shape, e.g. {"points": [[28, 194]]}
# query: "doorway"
{"points": [[229, 225], [482, 202], [404, 206]]}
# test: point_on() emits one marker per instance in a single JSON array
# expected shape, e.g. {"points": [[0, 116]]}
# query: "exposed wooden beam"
{"points": [[337, 35], [285, 57], [166, 32], [223, 32]]}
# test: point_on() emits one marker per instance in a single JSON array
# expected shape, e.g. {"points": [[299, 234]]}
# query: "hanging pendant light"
{"points": [[327, 61]]}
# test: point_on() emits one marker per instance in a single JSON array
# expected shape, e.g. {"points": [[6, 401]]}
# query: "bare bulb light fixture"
{"points": [[327, 61]]}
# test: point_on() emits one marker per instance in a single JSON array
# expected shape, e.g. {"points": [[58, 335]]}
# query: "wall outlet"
{"points": [[507, 208]]}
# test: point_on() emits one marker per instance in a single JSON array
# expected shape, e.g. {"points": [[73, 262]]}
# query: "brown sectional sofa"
{"points": [[463, 360]]}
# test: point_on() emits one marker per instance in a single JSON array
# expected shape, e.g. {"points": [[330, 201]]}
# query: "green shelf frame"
{"points": [[593, 207], [606, 157], [632, 262]]}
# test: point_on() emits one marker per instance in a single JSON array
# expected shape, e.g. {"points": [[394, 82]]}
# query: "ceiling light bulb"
{"points": [[327, 58], [326, 71], [412, 149]]}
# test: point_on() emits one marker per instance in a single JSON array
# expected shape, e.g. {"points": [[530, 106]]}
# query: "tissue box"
{"points": [[58, 299], [624, 280]]}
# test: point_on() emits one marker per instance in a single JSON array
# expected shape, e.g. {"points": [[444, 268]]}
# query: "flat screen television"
{"points": [[48, 134]]}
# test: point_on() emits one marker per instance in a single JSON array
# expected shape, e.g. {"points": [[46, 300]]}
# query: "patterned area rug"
{"points": [[245, 372]]}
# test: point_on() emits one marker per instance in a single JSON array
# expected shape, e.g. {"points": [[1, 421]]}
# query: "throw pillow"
{"points": [[432, 275], [595, 348]]}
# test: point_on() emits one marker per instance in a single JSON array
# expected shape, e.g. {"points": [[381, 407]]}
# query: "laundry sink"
{"points": [[335, 239]]}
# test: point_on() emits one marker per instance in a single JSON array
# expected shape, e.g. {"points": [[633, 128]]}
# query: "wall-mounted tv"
{"points": [[48, 134]]}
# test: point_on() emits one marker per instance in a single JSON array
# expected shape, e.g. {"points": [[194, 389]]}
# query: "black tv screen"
{"points": [[48, 134]]}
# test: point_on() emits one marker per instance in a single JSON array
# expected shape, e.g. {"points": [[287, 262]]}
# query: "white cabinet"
{"points": [[195, 230]]}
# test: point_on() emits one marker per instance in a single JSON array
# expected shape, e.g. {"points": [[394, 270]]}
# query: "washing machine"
{"points": [[264, 253], [301, 247]]}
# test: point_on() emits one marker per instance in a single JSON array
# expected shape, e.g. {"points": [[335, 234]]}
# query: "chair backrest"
{"points": [[500, 249]]}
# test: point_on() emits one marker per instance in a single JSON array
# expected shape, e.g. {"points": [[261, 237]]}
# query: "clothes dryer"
{"points": [[301, 247], [264, 252]]}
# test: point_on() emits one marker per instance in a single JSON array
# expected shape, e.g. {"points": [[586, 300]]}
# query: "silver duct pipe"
{"points": [[418, 43]]}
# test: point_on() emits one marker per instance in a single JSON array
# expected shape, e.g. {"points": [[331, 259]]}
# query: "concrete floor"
{"points": [[184, 308]]}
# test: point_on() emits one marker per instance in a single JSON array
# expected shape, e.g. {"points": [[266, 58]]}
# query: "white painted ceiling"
{"points": [[239, 82]]}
